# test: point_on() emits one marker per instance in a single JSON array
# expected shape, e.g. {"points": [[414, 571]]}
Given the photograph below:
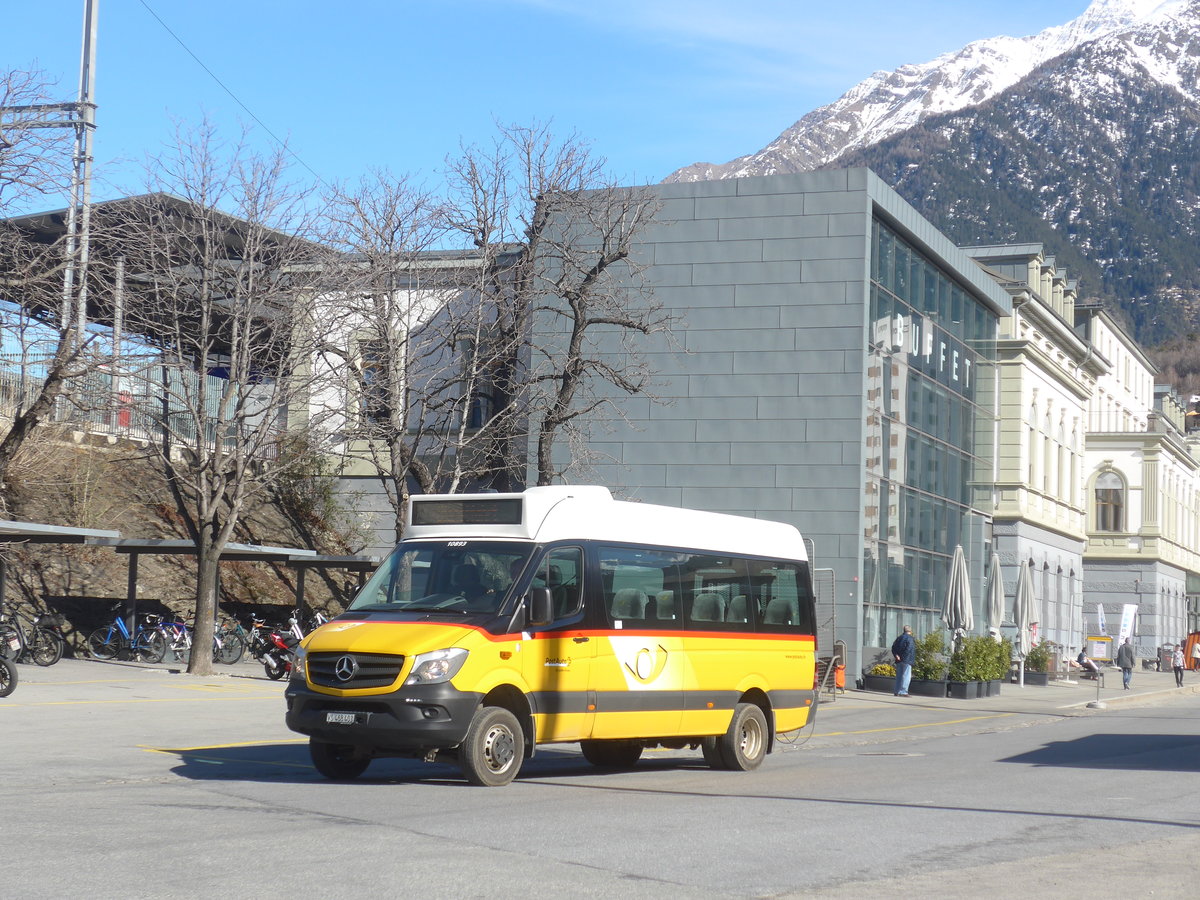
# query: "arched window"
{"points": [[1110, 502]]}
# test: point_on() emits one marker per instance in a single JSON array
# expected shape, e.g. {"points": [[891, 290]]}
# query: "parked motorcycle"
{"points": [[275, 648]]}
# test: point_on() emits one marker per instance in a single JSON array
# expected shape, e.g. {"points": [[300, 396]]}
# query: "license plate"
{"points": [[335, 718]]}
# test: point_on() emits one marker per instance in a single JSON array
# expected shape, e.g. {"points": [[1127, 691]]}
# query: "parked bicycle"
{"points": [[146, 644], [39, 639], [228, 645]]}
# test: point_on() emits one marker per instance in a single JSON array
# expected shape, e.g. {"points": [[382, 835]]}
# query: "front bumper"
{"points": [[411, 720]]}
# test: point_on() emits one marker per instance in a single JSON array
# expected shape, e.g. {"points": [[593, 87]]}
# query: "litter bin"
{"points": [[1166, 655]]}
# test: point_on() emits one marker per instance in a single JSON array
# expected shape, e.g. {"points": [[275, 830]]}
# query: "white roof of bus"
{"points": [[589, 512]]}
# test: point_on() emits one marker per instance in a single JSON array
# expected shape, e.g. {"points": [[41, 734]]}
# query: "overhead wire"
{"points": [[227, 90]]}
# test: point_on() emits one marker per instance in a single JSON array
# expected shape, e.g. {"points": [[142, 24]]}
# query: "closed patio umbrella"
{"points": [[995, 596], [1023, 608], [957, 612], [1023, 613]]}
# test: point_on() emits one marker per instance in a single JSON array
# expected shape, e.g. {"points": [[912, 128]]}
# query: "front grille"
{"points": [[370, 669]]}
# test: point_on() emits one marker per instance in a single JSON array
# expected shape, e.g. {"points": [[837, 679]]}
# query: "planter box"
{"points": [[993, 688], [885, 683], [923, 688], [963, 690], [1038, 678]]}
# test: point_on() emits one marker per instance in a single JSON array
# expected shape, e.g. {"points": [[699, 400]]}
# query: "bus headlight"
{"points": [[437, 666], [298, 664]]}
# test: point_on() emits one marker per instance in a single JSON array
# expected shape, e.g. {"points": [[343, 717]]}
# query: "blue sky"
{"points": [[654, 85]]}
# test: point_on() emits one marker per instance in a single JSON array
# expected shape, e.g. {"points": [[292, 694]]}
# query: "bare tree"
{"points": [[413, 340], [34, 159], [379, 228], [563, 316], [225, 296], [35, 163]]}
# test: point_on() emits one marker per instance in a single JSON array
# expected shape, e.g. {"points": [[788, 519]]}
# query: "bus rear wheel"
{"points": [[611, 754], [744, 746], [492, 752]]}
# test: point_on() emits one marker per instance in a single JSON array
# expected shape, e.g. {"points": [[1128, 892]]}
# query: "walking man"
{"points": [[1177, 665], [904, 650], [1125, 663]]}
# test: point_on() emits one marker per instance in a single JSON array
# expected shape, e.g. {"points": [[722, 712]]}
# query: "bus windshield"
{"points": [[451, 577]]}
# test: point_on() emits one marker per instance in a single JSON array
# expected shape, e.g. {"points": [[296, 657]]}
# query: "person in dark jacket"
{"points": [[1125, 663], [904, 651]]}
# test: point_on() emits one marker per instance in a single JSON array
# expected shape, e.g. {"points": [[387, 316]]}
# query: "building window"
{"points": [[1110, 502], [373, 384]]}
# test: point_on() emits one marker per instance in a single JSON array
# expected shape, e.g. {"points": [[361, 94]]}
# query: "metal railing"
{"points": [[144, 400]]}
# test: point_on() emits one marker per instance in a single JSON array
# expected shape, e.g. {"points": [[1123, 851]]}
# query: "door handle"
{"points": [[581, 640]]}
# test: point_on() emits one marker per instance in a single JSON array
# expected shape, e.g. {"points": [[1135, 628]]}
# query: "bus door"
{"points": [[557, 660], [640, 665]]}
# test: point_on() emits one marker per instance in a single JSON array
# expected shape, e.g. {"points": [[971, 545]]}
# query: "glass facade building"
{"points": [[930, 433]]}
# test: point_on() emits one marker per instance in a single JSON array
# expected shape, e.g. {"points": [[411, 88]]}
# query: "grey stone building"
{"points": [[835, 372]]}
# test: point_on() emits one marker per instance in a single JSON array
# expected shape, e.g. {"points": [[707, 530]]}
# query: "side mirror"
{"points": [[539, 607]]}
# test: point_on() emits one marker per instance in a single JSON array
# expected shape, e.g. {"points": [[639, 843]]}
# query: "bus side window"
{"points": [[635, 582], [785, 608], [560, 571]]}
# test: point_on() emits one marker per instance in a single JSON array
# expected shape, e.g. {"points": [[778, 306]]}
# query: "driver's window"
{"points": [[561, 571]]}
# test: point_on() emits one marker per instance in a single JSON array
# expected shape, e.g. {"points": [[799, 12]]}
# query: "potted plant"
{"points": [[971, 664], [1037, 664], [1000, 663], [880, 677], [929, 668]]}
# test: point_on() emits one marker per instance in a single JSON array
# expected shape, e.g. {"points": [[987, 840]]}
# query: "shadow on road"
{"points": [[1148, 752], [290, 762]]}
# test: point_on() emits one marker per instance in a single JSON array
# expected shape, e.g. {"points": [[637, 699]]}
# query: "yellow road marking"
{"points": [[908, 727], [137, 700], [149, 749]]}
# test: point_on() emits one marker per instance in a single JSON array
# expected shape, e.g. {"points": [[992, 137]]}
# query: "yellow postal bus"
{"points": [[503, 621]]}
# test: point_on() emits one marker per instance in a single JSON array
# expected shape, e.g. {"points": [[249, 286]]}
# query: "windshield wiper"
{"points": [[435, 609]]}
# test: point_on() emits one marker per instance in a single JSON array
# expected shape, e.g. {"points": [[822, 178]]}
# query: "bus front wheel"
{"points": [[744, 745], [492, 752]]}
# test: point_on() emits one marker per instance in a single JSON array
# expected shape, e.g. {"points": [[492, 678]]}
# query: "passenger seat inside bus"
{"points": [[664, 605], [629, 603], [708, 607], [737, 611], [782, 611]]}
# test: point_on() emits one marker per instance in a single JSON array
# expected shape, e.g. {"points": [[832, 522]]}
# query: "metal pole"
{"points": [[83, 144], [74, 311]]}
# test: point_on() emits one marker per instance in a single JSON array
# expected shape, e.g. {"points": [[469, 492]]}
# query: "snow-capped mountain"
{"points": [[890, 102], [1085, 137]]}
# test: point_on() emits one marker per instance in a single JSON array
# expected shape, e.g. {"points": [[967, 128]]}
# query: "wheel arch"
{"points": [[759, 698], [513, 699]]}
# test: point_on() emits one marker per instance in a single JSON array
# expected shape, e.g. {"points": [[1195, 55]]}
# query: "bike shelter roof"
{"points": [[294, 557]]}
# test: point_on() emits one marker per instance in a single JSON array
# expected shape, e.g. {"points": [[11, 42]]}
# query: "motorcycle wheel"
{"points": [[274, 672], [8, 677]]}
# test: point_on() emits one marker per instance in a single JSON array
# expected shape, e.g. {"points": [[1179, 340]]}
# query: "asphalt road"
{"points": [[128, 782]]}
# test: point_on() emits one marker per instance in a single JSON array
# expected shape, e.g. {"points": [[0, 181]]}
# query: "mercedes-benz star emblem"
{"points": [[345, 668]]}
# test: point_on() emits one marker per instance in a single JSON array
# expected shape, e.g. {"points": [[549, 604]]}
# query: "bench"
{"points": [[1086, 674]]}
